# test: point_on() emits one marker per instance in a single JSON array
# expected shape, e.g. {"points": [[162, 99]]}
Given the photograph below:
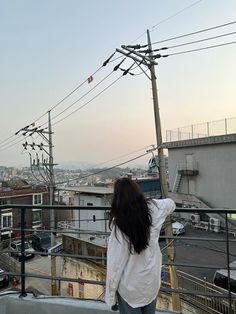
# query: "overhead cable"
{"points": [[195, 41], [194, 33], [115, 68], [175, 14], [2, 143], [76, 101], [187, 43], [85, 81], [103, 170], [27, 127], [13, 144], [85, 104], [169, 17], [197, 49], [75, 89], [122, 156]]}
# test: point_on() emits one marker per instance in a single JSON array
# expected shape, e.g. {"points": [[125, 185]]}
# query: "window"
{"points": [[3, 201], [6, 221], [37, 216], [37, 199], [232, 216]]}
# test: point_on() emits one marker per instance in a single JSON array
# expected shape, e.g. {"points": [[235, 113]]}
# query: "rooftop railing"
{"points": [[205, 129], [194, 292]]}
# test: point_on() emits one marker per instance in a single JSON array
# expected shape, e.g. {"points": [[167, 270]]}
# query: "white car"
{"points": [[178, 228]]}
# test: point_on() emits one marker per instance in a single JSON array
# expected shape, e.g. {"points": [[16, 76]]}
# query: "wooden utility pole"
{"points": [[149, 61], [163, 182], [51, 198]]}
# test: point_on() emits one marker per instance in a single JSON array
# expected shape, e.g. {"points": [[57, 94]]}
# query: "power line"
{"points": [[85, 104], [115, 68], [198, 49], [195, 41], [9, 146], [82, 96], [169, 17], [77, 87], [7, 139], [85, 81], [122, 156], [175, 14], [76, 101], [194, 33], [103, 170], [68, 95], [14, 142]]}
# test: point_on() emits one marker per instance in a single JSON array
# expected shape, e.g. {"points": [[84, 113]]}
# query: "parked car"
{"points": [[221, 277], [4, 279], [41, 241], [177, 228], [15, 248]]}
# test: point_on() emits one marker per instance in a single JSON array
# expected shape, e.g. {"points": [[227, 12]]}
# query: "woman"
{"points": [[134, 258]]}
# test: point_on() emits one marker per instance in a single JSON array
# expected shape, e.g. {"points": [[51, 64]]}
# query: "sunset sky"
{"points": [[48, 48]]}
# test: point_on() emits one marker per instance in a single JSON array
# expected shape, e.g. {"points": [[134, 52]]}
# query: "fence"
{"points": [[206, 129], [204, 297]]}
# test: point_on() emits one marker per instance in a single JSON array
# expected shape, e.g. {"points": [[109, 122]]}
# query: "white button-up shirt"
{"points": [[137, 277]]}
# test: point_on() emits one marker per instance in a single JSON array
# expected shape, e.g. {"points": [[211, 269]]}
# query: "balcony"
{"points": [[197, 295]]}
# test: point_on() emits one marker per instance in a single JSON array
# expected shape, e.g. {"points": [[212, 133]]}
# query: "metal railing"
{"points": [[205, 129], [200, 294]]}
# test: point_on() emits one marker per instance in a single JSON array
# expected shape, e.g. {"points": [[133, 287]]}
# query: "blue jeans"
{"points": [[125, 308]]}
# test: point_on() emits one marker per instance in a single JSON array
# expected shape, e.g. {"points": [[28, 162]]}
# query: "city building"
{"points": [[17, 191], [206, 168], [88, 196]]}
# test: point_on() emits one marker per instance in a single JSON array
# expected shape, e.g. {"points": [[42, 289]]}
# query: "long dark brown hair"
{"points": [[130, 212]]}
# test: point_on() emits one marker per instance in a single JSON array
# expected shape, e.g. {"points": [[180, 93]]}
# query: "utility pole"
{"points": [[45, 170], [51, 198], [149, 61], [163, 182]]}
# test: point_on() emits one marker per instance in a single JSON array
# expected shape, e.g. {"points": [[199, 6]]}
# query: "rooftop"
{"points": [[89, 189], [210, 140], [12, 303]]}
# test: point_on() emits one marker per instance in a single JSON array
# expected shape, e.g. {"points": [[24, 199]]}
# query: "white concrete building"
{"points": [[204, 167], [90, 196]]}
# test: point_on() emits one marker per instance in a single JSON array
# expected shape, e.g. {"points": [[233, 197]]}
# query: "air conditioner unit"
{"points": [[214, 228], [215, 222], [204, 224], [195, 218]]}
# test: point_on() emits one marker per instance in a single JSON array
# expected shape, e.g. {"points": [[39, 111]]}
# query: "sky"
{"points": [[49, 48]]}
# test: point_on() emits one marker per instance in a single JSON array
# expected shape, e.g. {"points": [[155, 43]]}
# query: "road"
{"points": [[38, 265], [201, 252]]}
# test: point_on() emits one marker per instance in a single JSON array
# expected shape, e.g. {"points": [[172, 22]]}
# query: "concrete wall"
{"points": [[82, 269], [84, 218], [215, 183]]}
